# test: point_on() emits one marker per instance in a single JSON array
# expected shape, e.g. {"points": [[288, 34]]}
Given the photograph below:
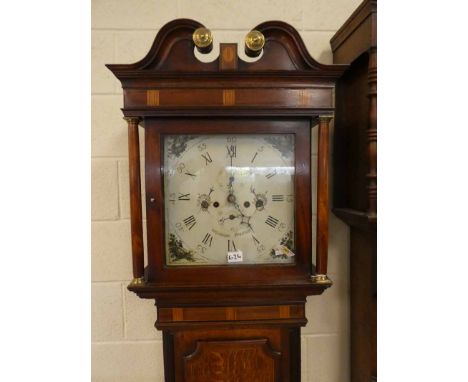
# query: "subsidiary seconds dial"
{"points": [[226, 193]]}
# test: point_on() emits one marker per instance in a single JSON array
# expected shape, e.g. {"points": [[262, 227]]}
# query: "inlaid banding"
{"points": [[229, 97], [152, 97]]}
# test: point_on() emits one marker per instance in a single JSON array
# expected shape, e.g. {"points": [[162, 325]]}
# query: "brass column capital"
{"points": [[133, 120], [325, 118]]}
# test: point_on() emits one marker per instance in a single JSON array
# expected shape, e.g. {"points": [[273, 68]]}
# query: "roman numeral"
{"points": [[190, 222], [207, 158], [271, 221], [184, 196], [254, 157], [271, 174], [232, 151], [255, 240], [190, 174], [231, 246], [277, 198], [208, 239]]}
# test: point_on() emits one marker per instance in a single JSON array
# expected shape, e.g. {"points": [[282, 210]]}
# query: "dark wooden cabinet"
{"points": [[355, 177], [226, 322]]}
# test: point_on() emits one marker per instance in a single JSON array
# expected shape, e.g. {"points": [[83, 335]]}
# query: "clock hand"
{"points": [[231, 180], [232, 199], [247, 222], [230, 217], [238, 208], [252, 190], [248, 225]]}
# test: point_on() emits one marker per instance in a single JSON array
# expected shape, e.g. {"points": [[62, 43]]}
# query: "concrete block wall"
{"points": [[125, 345]]}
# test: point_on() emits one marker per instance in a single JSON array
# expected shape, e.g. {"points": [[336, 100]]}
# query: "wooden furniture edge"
{"points": [[356, 218], [366, 9]]}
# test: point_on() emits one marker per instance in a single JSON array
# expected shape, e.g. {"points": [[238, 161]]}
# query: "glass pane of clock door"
{"points": [[229, 199]]}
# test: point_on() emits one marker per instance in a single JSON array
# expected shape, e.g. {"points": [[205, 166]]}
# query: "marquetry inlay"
{"points": [[152, 97], [304, 97], [241, 96], [178, 314], [229, 97], [228, 54], [235, 360], [228, 57], [231, 313], [284, 311]]}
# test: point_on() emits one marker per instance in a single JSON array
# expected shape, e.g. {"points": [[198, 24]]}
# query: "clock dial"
{"points": [[227, 193]]}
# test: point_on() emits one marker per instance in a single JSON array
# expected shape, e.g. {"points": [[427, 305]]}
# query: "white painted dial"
{"points": [[227, 193]]}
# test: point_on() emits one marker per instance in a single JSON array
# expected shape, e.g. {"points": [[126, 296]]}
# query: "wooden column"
{"points": [[372, 136], [322, 196], [135, 199]]}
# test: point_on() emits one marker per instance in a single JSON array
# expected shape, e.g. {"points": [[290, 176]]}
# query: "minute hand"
{"points": [[243, 216]]}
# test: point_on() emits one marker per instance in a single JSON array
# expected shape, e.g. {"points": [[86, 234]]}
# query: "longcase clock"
{"points": [[228, 197]]}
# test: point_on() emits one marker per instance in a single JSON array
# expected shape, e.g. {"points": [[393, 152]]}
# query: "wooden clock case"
{"points": [[223, 323], [355, 177]]}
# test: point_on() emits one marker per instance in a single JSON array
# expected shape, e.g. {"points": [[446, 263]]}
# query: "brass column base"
{"points": [[137, 281], [321, 279]]}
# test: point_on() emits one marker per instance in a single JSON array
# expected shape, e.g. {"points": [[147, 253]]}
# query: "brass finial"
{"points": [[203, 39], [254, 42]]}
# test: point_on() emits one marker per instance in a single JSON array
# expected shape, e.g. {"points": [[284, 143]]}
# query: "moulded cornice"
{"points": [[172, 55]]}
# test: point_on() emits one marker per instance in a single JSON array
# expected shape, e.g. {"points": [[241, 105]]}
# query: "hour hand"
{"points": [[230, 217], [231, 198], [231, 180]]}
